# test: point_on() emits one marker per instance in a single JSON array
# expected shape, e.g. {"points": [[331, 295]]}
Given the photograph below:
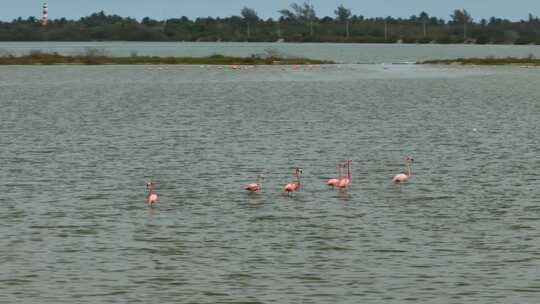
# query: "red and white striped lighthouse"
{"points": [[45, 17]]}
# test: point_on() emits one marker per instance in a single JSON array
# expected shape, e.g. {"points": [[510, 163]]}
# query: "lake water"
{"points": [[344, 53], [78, 144]]}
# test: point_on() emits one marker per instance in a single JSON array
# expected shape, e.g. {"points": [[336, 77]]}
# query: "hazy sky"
{"points": [[159, 9]]}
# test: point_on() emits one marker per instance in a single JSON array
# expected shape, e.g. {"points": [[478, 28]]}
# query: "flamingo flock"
{"points": [[339, 181], [295, 185]]}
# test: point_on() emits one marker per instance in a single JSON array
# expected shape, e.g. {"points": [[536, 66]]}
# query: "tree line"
{"points": [[298, 23]]}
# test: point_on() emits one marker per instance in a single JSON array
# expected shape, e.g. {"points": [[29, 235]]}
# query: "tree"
{"points": [[250, 16], [343, 15], [287, 14], [424, 17], [301, 12], [310, 15], [304, 11], [297, 23], [147, 21], [461, 17]]}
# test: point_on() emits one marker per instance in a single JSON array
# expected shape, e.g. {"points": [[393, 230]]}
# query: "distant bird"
{"points": [[152, 197], [294, 185], [403, 177], [255, 187], [344, 182], [335, 181]]}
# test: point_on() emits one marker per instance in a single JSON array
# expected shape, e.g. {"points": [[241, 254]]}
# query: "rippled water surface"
{"points": [[79, 143]]}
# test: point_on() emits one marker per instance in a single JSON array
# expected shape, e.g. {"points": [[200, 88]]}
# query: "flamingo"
{"points": [[152, 197], [254, 187], [344, 182], [335, 181], [295, 185], [403, 177]]}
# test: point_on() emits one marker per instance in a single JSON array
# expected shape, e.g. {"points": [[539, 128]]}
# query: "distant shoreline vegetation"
{"points": [[100, 57], [298, 23], [527, 61]]}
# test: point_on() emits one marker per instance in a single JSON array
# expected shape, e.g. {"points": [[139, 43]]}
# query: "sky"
{"points": [[161, 9]]}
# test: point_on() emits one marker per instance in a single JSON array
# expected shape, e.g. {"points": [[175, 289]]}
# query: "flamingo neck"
{"points": [[349, 170], [409, 170], [151, 189], [339, 170]]}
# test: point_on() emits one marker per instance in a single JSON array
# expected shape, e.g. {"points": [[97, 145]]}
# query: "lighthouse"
{"points": [[45, 17]]}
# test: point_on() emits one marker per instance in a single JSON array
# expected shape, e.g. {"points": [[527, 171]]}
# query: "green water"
{"points": [[79, 143]]}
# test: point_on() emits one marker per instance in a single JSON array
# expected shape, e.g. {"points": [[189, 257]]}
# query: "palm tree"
{"points": [[301, 12], [250, 16], [343, 15]]}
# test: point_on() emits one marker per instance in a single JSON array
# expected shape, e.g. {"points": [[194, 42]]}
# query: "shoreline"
{"points": [[40, 58], [489, 61], [265, 43]]}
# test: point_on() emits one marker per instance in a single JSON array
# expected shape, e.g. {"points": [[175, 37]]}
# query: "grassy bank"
{"points": [[528, 61], [41, 58]]}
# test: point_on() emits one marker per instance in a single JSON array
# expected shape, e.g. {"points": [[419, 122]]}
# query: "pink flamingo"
{"points": [[335, 181], [152, 197], [295, 185], [344, 182], [403, 177], [254, 187]]}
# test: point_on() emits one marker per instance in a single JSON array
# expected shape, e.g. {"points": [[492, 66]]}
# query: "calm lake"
{"points": [[78, 144], [343, 53]]}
